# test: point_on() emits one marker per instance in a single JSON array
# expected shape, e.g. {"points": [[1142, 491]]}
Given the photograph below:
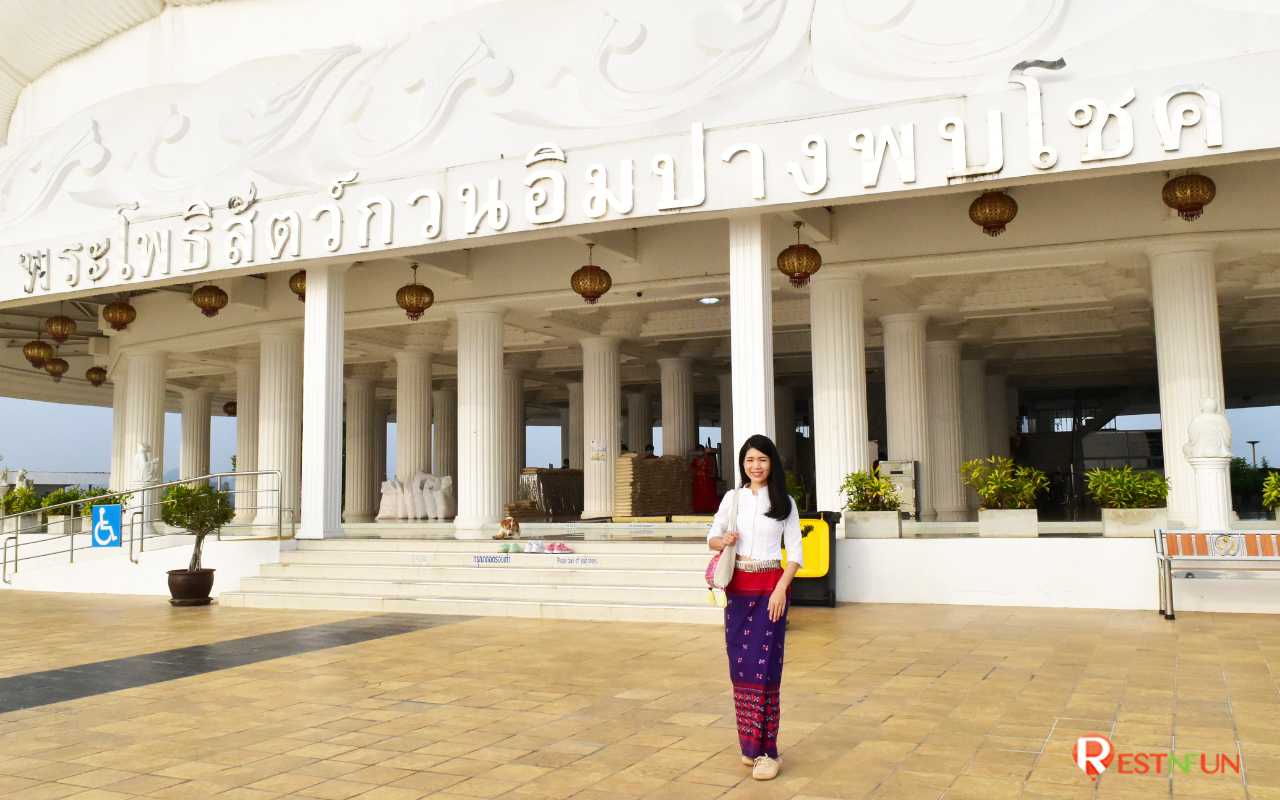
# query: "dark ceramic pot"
{"points": [[190, 588]]}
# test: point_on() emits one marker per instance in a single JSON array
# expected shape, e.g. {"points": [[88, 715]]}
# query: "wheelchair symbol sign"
{"points": [[106, 525]]}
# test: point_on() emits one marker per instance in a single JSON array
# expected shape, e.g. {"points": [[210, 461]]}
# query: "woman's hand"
{"points": [[777, 604], [727, 539]]}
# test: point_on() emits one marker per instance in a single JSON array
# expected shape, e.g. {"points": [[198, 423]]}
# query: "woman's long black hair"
{"points": [[779, 500]]}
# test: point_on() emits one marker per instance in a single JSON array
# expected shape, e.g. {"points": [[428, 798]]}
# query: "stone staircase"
{"points": [[658, 581]]}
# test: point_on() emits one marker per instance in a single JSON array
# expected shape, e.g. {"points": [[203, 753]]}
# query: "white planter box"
{"points": [[1009, 522], [1135, 523], [27, 523], [872, 525], [62, 524]]}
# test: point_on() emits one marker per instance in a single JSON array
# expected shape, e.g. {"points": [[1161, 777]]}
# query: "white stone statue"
{"points": [[444, 498], [23, 482], [429, 496], [389, 506], [1209, 434], [146, 469]]}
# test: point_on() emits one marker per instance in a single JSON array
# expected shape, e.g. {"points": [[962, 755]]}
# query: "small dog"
{"points": [[510, 529]]}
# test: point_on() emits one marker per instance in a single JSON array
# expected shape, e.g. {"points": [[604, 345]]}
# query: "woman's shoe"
{"points": [[766, 769], [748, 761]]}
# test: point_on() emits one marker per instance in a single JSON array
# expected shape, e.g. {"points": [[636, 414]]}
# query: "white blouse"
{"points": [[760, 538]]}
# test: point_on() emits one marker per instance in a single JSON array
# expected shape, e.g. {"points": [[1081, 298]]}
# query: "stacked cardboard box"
{"points": [[651, 486]]}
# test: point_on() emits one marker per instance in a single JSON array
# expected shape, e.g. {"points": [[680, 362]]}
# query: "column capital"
{"points": [[904, 319], [1174, 245], [481, 310], [601, 344], [831, 274], [674, 362], [943, 346]]}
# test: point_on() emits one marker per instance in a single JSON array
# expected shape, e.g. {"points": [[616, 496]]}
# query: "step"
{"points": [[705, 614], [536, 575], [538, 592], [348, 543], [602, 561]]}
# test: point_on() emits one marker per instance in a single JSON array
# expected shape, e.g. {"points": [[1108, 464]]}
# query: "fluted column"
{"points": [[602, 401], [480, 420], [323, 357], [784, 421], [193, 458], [1188, 357], [678, 436], [360, 489], [728, 455], [413, 413], [999, 416], [382, 411], [280, 426], [444, 444], [119, 456], [246, 438], [639, 426], [838, 344], [577, 447], [144, 425], [513, 456], [973, 412], [945, 436], [564, 437], [751, 263], [906, 406]]}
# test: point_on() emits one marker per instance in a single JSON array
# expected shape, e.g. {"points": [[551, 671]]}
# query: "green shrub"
{"points": [[1002, 484], [96, 496], [66, 494], [21, 500], [200, 510], [869, 491], [1271, 491], [1126, 488], [795, 488]]}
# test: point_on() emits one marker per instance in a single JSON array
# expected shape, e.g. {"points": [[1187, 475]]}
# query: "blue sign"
{"points": [[106, 525]]}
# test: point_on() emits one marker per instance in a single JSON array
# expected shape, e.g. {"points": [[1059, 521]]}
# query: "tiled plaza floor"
{"points": [[877, 701]]}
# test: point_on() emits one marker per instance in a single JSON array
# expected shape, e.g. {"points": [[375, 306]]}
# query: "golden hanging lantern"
{"points": [[96, 375], [119, 314], [799, 261], [298, 285], [415, 298], [37, 352], [1189, 194], [60, 328], [209, 299], [992, 211], [591, 282], [229, 408], [56, 367]]}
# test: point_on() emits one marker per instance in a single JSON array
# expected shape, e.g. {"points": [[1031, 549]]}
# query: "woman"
{"points": [[755, 618], [704, 482]]}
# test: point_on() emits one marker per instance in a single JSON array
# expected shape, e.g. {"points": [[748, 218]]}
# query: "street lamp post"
{"points": [[1253, 447]]}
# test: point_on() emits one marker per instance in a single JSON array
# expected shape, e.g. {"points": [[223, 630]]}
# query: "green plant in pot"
{"points": [[1001, 484], [869, 491], [1271, 491], [21, 500], [1126, 488], [200, 510], [96, 496]]}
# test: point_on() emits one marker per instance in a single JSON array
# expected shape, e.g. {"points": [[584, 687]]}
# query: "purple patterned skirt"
{"points": [[754, 645]]}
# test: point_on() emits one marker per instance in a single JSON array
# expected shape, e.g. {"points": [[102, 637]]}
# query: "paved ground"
{"points": [[878, 701]]}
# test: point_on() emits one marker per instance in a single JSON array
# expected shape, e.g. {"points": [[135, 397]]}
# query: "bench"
{"points": [[1212, 554]]}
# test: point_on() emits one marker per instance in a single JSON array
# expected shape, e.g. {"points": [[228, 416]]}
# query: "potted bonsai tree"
{"points": [[65, 519], [1271, 493], [22, 501], [1132, 502], [1008, 495], [200, 510], [871, 506]]}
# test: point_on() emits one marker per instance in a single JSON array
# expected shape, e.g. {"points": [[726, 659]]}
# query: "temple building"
{"points": [[472, 217]]}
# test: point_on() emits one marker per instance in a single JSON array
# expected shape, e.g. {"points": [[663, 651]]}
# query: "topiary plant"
{"points": [[1126, 488], [1271, 491], [1002, 484], [200, 510], [869, 491]]}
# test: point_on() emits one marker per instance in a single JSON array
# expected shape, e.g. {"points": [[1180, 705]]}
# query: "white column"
{"points": [[246, 438], [382, 410], [280, 426], [784, 421], [751, 261], [444, 444], [360, 490], [144, 424], [728, 454], [945, 436], [1188, 357], [602, 401], [973, 412], [838, 343], [413, 413], [639, 426], [1212, 493], [513, 433], [677, 406], [577, 448], [119, 456], [999, 416], [322, 377], [194, 456], [480, 421], [564, 436], [906, 407]]}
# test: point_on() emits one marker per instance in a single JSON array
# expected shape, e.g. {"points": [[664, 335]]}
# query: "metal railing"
{"points": [[52, 530]]}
